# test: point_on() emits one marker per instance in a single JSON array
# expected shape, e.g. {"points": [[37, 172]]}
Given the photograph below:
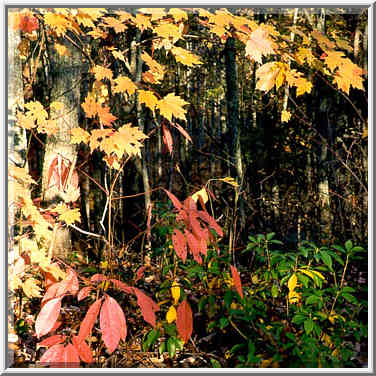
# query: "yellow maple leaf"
{"points": [[168, 30], [97, 136], [303, 86], [156, 13], [90, 106], [117, 25], [21, 174], [31, 288], [170, 105], [142, 22], [285, 116], [36, 111], [57, 22], [156, 69], [124, 84], [334, 59], [266, 76], [101, 72], [67, 215], [148, 98], [323, 41], [259, 45], [178, 14], [305, 55], [118, 55], [128, 140], [171, 315], [48, 126], [185, 57], [79, 135]]}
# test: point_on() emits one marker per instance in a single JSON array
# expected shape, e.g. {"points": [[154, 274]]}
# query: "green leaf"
{"points": [[171, 347], [150, 339], [348, 289], [298, 318], [339, 248], [312, 299], [308, 326], [274, 291], [223, 322], [348, 245], [270, 236], [162, 347], [358, 249], [350, 298], [215, 363], [304, 251], [327, 259]]}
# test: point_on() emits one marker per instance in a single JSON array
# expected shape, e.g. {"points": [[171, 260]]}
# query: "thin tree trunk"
{"points": [[66, 71]]}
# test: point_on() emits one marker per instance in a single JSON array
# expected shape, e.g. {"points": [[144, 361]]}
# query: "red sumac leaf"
{"points": [[89, 320], [148, 307], [53, 340], [140, 273], [210, 221], [184, 320], [194, 246], [98, 278], [182, 131], [47, 317], [58, 289], [122, 286], [83, 350], [167, 138], [56, 326], [174, 199], [180, 244], [112, 323], [70, 357], [72, 279], [237, 281], [83, 293], [53, 356]]}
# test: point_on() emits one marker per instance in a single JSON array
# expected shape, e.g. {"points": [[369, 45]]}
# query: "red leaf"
{"points": [[237, 281], [57, 290], [53, 340], [140, 273], [148, 307], [112, 323], [122, 286], [53, 356], [167, 138], [83, 293], [49, 279], [83, 350], [47, 317], [70, 357], [174, 199], [72, 279], [28, 23], [180, 244], [194, 246], [210, 221], [56, 326], [182, 131], [184, 320], [98, 278], [89, 320]]}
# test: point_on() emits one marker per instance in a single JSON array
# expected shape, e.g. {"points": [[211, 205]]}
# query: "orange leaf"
{"points": [[83, 350], [124, 84], [184, 321], [237, 281], [117, 25], [105, 116], [101, 72], [90, 106], [174, 199]]}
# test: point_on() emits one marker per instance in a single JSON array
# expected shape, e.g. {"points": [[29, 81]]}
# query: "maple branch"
{"points": [[93, 180]]}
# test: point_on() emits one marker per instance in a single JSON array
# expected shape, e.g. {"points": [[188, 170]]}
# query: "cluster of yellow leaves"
{"points": [[185, 57], [34, 246], [277, 73], [92, 107], [61, 21], [114, 143], [202, 193], [285, 116], [346, 73], [36, 116]]}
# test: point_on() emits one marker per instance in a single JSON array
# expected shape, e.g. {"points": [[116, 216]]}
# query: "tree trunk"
{"points": [[232, 97], [66, 74]]}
